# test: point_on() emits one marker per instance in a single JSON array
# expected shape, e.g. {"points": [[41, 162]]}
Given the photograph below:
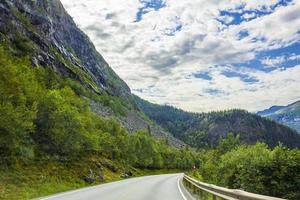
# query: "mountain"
{"points": [[269, 111], [67, 120], [205, 129], [44, 32], [288, 115]]}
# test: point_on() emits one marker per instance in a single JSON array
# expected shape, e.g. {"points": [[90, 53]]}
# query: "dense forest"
{"points": [[46, 119], [254, 168], [203, 130], [43, 114]]}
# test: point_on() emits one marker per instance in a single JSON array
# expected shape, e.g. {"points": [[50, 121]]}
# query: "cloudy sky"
{"points": [[199, 55]]}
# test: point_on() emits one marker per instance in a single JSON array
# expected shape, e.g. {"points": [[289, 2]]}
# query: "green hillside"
{"points": [[203, 130], [45, 119]]}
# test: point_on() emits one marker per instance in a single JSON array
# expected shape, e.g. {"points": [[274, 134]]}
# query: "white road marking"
{"points": [[178, 185], [99, 186], [70, 192], [59, 195]]}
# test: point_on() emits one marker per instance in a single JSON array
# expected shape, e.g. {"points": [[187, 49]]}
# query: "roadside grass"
{"points": [[194, 174], [46, 178]]}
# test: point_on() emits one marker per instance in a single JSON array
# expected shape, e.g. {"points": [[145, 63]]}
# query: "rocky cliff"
{"points": [[52, 39], [43, 31]]}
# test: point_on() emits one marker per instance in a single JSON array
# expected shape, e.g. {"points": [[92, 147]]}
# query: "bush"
{"points": [[256, 168], [18, 91], [45, 115]]}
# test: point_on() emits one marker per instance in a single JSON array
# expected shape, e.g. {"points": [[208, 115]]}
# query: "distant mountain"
{"points": [[288, 115], [269, 111], [205, 129]]}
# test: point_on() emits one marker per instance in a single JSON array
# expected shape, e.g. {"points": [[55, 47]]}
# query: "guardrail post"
{"points": [[194, 189], [214, 197], [200, 193]]}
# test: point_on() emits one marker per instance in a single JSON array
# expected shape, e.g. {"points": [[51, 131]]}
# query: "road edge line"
{"points": [[178, 185]]}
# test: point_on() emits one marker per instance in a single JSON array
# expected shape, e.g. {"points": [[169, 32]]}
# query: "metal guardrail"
{"points": [[199, 189]]}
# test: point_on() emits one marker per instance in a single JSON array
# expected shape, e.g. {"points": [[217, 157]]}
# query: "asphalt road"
{"points": [[159, 187]]}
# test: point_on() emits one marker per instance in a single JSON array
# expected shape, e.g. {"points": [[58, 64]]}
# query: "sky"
{"points": [[199, 55]]}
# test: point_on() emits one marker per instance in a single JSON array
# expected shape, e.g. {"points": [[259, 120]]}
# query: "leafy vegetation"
{"points": [[23, 19], [46, 178], [254, 168], [50, 139], [42, 114], [174, 120], [45, 118]]}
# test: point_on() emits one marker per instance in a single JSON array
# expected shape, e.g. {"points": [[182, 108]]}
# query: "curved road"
{"points": [[159, 187]]}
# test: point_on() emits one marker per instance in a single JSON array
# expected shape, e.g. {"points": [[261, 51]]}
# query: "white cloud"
{"points": [[274, 61], [279, 60], [294, 57], [155, 54], [260, 5], [226, 19], [248, 16]]}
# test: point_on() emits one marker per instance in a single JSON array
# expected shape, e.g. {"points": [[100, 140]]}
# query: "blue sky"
{"points": [[199, 55]]}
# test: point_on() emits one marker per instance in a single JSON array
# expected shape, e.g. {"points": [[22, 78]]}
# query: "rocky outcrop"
{"points": [[90, 178], [43, 31], [134, 122], [55, 41]]}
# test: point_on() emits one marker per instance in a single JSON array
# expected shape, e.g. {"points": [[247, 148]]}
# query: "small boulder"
{"points": [[99, 166], [90, 178], [126, 174], [112, 168], [101, 176], [129, 173], [109, 165]]}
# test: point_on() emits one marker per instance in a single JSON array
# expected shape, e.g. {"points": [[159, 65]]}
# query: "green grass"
{"points": [[24, 20], [46, 178], [144, 117]]}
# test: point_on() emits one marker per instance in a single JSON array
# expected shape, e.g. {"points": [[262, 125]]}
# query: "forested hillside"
{"points": [[205, 129], [66, 119], [44, 32], [45, 118]]}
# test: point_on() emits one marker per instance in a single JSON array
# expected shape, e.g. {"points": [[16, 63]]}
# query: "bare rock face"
{"points": [[101, 176], [43, 31], [133, 122], [58, 43], [90, 178]]}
